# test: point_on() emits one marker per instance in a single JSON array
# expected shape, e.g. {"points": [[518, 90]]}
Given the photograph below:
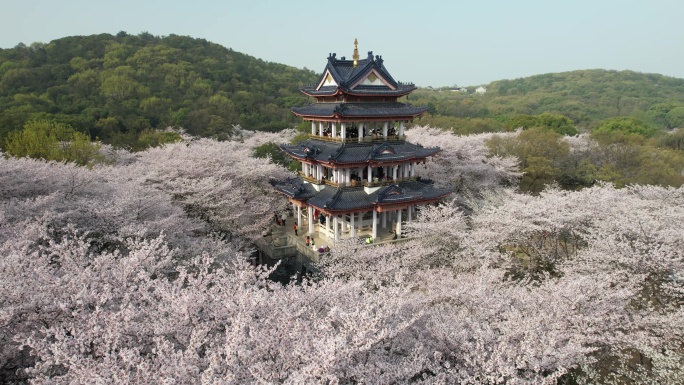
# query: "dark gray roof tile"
{"points": [[360, 110], [355, 198], [351, 152], [294, 188]]}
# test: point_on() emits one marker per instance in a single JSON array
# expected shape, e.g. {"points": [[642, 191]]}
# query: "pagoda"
{"points": [[358, 172]]}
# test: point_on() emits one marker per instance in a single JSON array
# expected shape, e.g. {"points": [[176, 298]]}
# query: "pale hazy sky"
{"points": [[428, 42]]}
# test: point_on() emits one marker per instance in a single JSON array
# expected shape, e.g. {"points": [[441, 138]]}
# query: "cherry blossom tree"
{"points": [[114, 204], [631, 233], [105, 202], [123, 318], [114, 274], [465, 162], [211, 179]]}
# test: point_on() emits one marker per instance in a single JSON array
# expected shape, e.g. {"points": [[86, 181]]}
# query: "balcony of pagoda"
{"points": [[310, 179], [376, 182], [365, 139]]}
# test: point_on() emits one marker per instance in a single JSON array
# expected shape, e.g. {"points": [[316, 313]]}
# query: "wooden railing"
{"points": [[310, 179], [384, 182], [364, 183], [365, 139]]}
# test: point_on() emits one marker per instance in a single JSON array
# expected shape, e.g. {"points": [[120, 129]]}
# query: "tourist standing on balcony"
{"points": [[295, 229]]}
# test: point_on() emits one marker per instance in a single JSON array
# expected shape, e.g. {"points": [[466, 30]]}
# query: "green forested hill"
{"points": [[587, 97], [631, 117], [116, 87]]}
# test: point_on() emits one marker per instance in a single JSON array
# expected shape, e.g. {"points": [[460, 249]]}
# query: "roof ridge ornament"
{"points": [[356, 52]]}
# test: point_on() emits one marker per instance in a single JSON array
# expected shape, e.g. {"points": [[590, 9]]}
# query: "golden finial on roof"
{"points": [[356, 52]]}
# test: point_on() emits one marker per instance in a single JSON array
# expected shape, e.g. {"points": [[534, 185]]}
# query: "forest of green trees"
{"points": [[634, 121], [119, 88], [586, 97]]}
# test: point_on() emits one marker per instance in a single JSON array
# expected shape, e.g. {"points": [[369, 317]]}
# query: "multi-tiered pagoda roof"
{"points": [[356, 160]]}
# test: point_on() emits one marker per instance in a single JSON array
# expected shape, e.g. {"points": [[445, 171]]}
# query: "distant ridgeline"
{"points": [[116, 88], [586, 97]]}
